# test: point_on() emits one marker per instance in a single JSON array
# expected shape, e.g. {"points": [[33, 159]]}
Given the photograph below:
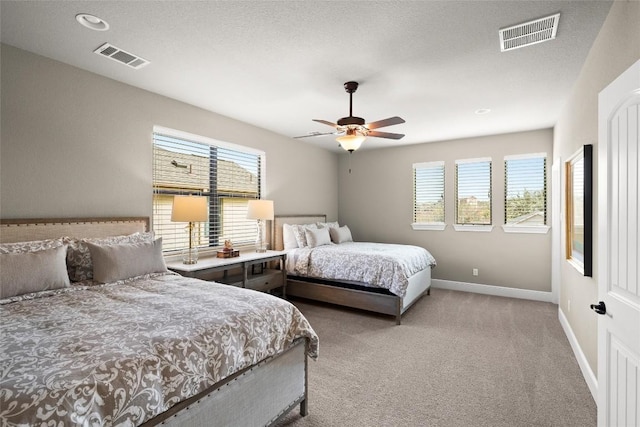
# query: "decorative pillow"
{"points": [[341, 234], [123, 261], [333, 224], [33, 246], [79, 258], [318, 237], [288, 237], [27, 272], [299, 232]]}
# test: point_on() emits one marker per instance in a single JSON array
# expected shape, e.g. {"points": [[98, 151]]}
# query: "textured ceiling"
{"points": [[279, 64]]}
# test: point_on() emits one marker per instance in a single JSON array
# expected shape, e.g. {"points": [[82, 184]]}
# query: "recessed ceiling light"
{"points": [[483, 111], [92, 22]]}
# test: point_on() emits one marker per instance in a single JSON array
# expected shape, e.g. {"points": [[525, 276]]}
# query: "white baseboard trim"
{"points": [[587, 373], [499, 291]]}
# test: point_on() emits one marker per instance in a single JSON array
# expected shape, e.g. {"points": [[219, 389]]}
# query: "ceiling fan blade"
{"points": [[386, 122], [324, 122], [315, 134], [385, 134]]}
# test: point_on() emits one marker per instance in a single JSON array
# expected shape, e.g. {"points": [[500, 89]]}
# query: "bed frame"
{"points": [[349, 294], [259, 395]]}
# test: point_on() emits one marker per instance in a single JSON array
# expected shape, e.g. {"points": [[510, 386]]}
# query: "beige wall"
{"points": [[78, 144], [375, 201], [615, 49]]}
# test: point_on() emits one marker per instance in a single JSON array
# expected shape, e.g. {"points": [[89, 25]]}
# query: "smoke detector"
{"points": [[115, 53], [529, 33]]}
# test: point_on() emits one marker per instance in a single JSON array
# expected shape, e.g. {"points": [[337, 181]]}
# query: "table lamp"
{"points": [[260, 210], [189, 209]]}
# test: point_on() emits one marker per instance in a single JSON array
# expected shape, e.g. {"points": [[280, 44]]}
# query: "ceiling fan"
{"points": [[353, 129]]}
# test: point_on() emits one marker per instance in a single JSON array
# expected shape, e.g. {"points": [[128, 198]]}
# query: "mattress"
{"points": [[377, 265]]}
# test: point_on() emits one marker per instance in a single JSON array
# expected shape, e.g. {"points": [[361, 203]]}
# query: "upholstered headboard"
{"points": [[23, 230], [279, 220]]}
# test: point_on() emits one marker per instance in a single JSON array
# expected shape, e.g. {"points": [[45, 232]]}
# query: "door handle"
{"points": [[599, 308]]}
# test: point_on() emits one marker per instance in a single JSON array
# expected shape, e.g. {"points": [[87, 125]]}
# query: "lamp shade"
{"points": [[260, 209], [351, 141], [189, 209]]}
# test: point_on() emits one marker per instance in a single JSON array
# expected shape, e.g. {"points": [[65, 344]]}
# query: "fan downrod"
{"points": [[350, 88]]}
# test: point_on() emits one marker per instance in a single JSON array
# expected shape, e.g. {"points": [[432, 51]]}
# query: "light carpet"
{"points": [[458, 359]]}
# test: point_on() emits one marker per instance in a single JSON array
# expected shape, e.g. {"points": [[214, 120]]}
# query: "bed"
{"points": [[149, 349], [406, 279]]}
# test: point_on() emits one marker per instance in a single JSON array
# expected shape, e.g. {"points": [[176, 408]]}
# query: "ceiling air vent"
{"points": [[529, 33], [110, 51]]}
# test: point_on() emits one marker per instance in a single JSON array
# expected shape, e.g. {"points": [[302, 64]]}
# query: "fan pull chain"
{"points": [[350, 162]]}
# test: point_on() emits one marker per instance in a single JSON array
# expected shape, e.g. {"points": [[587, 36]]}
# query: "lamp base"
{"points": [[190, 256], [261, 245]]}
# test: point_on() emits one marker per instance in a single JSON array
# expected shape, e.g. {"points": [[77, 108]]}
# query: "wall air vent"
{"points": [[529, 33], [110, 51]]}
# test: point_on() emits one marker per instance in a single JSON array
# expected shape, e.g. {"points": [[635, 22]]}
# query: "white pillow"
{"points": [[318, 237], [288, 237], [341, 234], [328, 224], [299, 232], [27, 272], [123, 261]]}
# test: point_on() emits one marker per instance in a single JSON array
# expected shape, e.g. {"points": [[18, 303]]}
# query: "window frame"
{"points": [[437, 225], [577, 179], [527, 229], [473, 226], [209, 248]]}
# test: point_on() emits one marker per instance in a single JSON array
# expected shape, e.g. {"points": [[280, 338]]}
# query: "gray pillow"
{"points": [[299, 233], [27, 272], [123, 261], [79, 262], [341, 234]]}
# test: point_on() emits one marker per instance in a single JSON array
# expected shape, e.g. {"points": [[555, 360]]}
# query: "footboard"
{"points": [[258, 396]]}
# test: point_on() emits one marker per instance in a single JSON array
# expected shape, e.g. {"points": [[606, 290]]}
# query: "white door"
{"points": [[618, 253]]}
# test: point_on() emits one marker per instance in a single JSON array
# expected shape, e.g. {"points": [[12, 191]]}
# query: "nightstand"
{"points": [[246, 271]]}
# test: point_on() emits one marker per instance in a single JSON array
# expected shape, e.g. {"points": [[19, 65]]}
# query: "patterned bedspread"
{"points": [[120, 354], [382, 265]]}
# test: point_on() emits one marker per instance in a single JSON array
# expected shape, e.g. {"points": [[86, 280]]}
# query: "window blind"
{"points": [[428, 193], [228, 175], [473, 191], [525, 197]]}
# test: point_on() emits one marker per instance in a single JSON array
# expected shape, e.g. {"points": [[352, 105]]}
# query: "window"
{"points": [[428, 196], [525, 196], [228, 174], [473, 193]]}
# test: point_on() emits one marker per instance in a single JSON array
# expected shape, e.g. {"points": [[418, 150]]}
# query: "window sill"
{"points": [[435, 226], [526, 229], [477, 228]]}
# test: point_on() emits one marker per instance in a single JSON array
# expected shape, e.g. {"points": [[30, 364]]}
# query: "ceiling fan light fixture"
{"points": [[355, 128], [351, 141]]}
